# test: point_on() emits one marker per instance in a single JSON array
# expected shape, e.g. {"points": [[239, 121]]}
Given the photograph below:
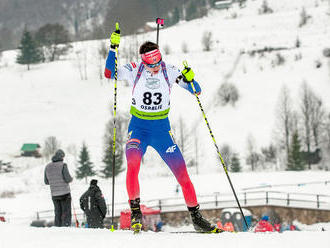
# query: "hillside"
{"points": [[52, 100], [64, 100]]}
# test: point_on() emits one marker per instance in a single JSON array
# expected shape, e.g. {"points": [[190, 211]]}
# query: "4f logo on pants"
{"points": [[171, 149]]}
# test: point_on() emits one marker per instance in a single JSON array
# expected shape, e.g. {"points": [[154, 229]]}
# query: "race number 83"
{"points": [[149, 98]]}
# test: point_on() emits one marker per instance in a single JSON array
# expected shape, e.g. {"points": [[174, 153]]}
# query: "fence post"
{"points": [[160, 204], [216, 200], [318, 201], [288, 200], [38, 216], [245, 200]]}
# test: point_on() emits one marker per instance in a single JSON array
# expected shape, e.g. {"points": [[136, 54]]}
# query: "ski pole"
{"points": [[75, 215], [159, 21], [114, 134], [185, 64]]}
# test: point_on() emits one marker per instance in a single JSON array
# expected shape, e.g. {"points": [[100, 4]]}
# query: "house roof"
{"points": [[30, 147]]}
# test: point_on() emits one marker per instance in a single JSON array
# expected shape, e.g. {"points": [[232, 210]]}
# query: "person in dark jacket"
{"points": [[57, 176], [93, 204]]}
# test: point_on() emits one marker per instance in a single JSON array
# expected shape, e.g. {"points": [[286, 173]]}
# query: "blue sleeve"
{"points": [[190, 89], [109, 71]]}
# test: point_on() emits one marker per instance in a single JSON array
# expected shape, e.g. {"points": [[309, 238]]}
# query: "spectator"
{"points": [[289, 227], [93, 204], [57, 176], [263, 225], [277, 227]]}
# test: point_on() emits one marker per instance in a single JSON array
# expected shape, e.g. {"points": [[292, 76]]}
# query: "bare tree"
{"points": [[326, 142], [131, 51], [207, 41], [101, 56], [226, 152], [317, 119], [51, 144], [80, 12], [184, 47], [303, 17], [306, 108], [167, 49], [253, 158], [81, 61], [284, 119]]}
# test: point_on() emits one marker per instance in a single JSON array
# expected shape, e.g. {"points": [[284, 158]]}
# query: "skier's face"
{"points": [[154, 69]]}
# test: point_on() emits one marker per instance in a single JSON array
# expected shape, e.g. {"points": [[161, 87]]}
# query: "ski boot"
{"points": [[136, 215], [201, 224]]}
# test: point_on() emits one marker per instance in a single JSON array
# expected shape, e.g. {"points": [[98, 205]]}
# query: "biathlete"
{"points": [[151, 81]]}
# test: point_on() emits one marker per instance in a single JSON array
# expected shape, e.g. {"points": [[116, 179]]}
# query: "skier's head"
{"points": [[151, 56]]}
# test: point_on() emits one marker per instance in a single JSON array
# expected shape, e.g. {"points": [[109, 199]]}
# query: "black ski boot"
{"points": [[201, 224], [136, 215]]}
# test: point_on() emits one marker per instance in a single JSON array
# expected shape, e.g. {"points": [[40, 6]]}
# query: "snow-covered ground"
{"points": [[16, 236], [52, 100]]}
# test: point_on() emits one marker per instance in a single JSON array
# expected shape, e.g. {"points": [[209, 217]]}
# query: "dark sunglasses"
{"points": [[154, 65]]}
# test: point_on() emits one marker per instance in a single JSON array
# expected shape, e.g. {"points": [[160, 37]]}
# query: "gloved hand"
{"points": [[115, 37], [187, 73]]}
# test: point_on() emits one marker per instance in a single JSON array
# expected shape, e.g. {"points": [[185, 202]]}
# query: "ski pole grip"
{"points": [[160, 21], [117, 28], [185, 64]]}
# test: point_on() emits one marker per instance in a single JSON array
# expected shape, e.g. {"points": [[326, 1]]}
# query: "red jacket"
{"points": [[264, 226]]}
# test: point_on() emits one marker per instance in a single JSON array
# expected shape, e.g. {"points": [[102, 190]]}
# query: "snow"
{"points": [[52, 100], [72, 237]]}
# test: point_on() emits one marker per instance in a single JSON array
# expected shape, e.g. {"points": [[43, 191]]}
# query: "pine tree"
{"points": [[121, 123], [108, 160], [29, 51], [235, 164], [86, 168], [295, 161]]}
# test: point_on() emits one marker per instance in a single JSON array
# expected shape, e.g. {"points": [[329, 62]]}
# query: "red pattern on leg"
{"points": [[133, 157]]}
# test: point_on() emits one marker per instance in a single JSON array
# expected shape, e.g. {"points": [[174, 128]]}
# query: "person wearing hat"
{"points": [[263, 225], [57, 176], [93, 204], [152, 81]]}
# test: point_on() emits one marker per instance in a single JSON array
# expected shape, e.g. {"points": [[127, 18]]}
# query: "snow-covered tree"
{"points": [[86, 166], [207, 41], [284, 119], [51, 145]]}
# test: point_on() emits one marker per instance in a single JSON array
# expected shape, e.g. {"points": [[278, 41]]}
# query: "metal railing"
{"points": [[224, 200]]}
